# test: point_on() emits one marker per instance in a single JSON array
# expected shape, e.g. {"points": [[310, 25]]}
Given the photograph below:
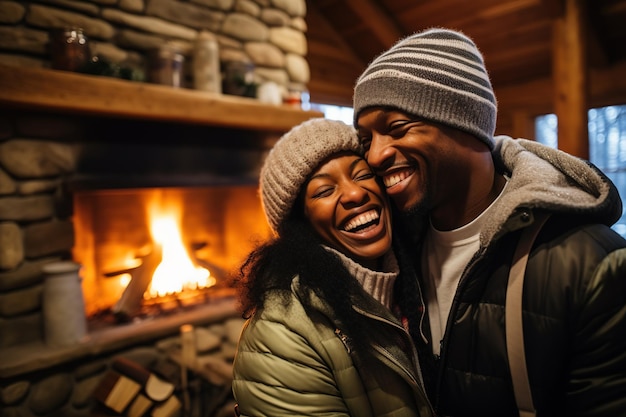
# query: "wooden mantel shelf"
{"points": [[72, 93]]}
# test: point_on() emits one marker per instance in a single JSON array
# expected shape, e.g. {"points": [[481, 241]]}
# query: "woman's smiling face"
{"points": [[346, 205]]}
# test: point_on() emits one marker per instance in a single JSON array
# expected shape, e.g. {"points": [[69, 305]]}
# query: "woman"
{"points": [[321, 338]]}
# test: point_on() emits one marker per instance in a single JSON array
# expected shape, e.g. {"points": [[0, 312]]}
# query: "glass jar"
{"points": [[165, 66], [69, 49], [239, 79]]}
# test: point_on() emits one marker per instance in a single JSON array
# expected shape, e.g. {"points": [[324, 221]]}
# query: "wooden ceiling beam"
{"points": [[377, 20], [607, 87], [506, 8], [554, 8], [323, 26]]}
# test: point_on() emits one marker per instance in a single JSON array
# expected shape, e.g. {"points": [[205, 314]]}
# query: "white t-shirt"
{"points": [[447, 254]]}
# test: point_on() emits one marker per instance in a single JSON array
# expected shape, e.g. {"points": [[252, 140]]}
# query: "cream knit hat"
{"points": [[294, 157], [438, 74]]}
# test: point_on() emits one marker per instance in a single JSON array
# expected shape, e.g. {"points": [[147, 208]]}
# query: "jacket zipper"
{"points": [[440, 360], [419, 381], [344, 339], [508, 226]]}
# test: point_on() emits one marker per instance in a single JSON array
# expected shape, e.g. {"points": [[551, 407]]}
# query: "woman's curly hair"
{"points": [[298, 250]]}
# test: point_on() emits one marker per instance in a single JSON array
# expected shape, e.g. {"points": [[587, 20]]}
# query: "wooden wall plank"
{"points": [[570, 80], [377, 20]]}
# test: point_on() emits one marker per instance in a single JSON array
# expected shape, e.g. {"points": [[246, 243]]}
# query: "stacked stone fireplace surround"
{"points": [[39, 154], [38, 158]]}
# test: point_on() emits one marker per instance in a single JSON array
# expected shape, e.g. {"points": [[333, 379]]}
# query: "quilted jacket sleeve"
{"points": [[598, 368], [284, 366]]}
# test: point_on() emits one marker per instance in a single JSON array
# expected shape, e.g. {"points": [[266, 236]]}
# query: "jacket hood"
{"points": [[541, 177]]}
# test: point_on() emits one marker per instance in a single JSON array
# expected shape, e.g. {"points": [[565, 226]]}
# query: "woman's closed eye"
{"points": [[361, 171], [322, 192], [364, 175]]}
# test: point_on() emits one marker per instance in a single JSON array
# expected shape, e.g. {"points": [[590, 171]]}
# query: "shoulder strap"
{"points": [[513, 318]]}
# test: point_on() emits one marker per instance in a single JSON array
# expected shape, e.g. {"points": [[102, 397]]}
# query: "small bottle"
{"points": [[293, 97], [69, 49], [206, 64]]}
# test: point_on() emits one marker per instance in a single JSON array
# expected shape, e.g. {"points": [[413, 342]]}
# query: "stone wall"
{"points": [[67, 390], [36, 153], [267, 33]]}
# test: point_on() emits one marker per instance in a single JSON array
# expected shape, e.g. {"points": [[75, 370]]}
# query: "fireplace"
{"points": [[133, 183], [179, 244], [82, 179]]}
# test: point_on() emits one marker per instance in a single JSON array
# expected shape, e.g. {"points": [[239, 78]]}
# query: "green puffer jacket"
{"points": [[298, 360], [574, 300]]}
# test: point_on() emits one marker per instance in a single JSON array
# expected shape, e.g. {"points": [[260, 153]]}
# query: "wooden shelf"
{"points": [[72, 93]]}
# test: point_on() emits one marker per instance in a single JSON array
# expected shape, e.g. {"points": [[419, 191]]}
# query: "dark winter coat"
{"points": [[574, 301]]}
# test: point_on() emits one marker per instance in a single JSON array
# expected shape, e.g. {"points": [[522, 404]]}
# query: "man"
{"points": [[426, 114]]}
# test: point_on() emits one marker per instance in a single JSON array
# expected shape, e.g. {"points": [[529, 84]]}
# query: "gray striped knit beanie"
{"points": [[294, 157], [439, 75]]}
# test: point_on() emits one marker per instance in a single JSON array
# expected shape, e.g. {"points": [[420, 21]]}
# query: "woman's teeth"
{"points": [[362, 219]]}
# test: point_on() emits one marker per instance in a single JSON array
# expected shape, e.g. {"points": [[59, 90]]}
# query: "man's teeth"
{"points": [[393, 179], [362, 219]]}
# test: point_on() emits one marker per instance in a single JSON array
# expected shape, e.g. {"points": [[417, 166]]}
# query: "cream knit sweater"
{"points": [[378, 284]]}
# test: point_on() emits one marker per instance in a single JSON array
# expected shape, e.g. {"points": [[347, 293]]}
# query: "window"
{"points": [[607, 146], [343, 114]]}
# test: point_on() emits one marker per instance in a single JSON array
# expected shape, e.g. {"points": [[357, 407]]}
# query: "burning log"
{"points": [[216, 271], [181, 280], [131, 300]]}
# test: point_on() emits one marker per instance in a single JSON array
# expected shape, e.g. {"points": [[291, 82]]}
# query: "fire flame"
{"points": [[176, 272]]}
